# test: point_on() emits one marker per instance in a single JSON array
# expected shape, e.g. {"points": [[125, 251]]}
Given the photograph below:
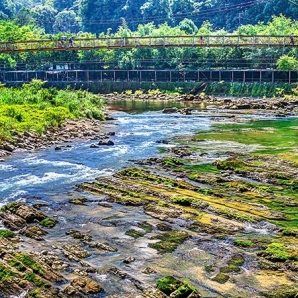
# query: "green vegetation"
{"points": [[172, 162], [137, 173], [35, 280], [273, 156], [48, 222], [267, 133], [72, 17], [78, 201], [16, 264], [48, 22], [174, 287], [6, 233], [145, 226], [284, 291], [29, 262], [34, 108], [183, 201], [287, 63], [221, 278], [278, 252], [34, 293], [134, 233], [233, 264], [235, 197], [249, 89], [5, 272], [169, 241], [243, 243]]}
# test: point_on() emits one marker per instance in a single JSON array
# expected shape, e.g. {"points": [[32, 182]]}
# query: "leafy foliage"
{"points": [[287, 63], [34, 108]]}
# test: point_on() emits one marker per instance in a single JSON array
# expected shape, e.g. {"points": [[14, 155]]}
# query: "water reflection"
{"points": [[139, 106]]}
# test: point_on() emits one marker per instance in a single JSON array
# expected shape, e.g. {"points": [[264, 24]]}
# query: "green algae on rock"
{"points": [[169, 241], [176, 288]]}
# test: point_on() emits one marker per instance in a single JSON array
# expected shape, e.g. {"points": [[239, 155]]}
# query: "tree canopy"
{"points": [[103, 15]]}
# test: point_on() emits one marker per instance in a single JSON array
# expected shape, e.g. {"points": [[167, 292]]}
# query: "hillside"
{"points": [[97, 16]]}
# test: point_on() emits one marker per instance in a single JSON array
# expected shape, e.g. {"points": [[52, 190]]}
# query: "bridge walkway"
{"points": [[146, 42]]}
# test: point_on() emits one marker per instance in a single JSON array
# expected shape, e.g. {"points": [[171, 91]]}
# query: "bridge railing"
{"points": [[146, 42], [149, 75]]}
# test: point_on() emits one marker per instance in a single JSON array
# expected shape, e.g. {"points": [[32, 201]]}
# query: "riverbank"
{"points": [[89, 128], [279, 106], [34, 117], [55, 136]]}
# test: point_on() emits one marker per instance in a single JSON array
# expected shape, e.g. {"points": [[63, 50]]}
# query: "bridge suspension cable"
{"points": [[146, 42]]}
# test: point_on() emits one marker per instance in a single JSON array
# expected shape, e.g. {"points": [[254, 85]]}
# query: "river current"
{"points": [[50, 172]]}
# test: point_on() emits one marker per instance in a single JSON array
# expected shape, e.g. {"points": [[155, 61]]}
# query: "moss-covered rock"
{"points": [[284, 291], [169, 241], [233, 264], [6, 233], [134, 233], [48, 222], [176, 288], [221, 278]]}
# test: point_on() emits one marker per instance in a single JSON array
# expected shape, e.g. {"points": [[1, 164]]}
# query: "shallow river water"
{"points": [[50, 176], [49, 171]]}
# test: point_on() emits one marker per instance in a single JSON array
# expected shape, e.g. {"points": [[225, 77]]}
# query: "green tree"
{"points": [[159, 11], [44, 16], [7, 9], [188, 26], [66, 21], [60, 5], [287, 63]]}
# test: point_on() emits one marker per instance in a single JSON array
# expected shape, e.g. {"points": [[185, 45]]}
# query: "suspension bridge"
{"points": [[146, 42]]}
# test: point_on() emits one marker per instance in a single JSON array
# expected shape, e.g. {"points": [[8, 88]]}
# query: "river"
{"points": [[137, 136], [50, 176]]}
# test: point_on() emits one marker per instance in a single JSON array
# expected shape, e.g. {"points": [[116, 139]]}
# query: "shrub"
{"points": [[287, 63]]}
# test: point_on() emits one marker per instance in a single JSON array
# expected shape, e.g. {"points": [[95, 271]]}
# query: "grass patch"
{"points": [[284, 291], [145, 226], [35, 280], [35, 108], [182, 200], [267, 133]]}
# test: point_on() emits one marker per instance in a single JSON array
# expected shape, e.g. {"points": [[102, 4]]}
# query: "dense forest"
{"points": [[97, 16], [44, 19]]}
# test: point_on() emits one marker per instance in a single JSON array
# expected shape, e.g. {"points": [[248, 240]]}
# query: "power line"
{"points": [[178, 16], [293, 2]]}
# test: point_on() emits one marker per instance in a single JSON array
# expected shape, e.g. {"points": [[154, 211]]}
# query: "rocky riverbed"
{"points": [[70, 130], [215, 216], [91, 128]]}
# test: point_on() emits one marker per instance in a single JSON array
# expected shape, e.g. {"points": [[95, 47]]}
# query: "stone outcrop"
{"points": [[70, 130]]}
